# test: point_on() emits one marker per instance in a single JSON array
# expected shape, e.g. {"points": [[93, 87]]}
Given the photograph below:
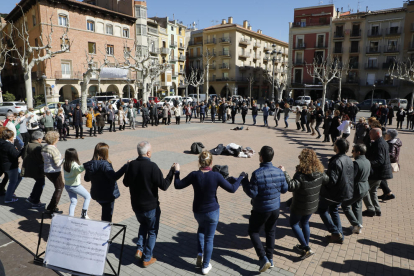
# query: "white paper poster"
{"points": [[78, 244]]}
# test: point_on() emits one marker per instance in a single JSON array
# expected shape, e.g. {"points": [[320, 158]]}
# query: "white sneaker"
{"points": [[206, 270], [356, 229]]}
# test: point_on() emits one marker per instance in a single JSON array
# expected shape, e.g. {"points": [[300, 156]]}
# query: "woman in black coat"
{"points": [[304, 118], [333, 130], [400, 117], [327, 125], [100, 120]]}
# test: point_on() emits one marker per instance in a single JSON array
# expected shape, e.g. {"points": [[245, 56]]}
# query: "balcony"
{"points": [[374, 50], [69, 75], [224, 66], [354, 81], [174, 74], [223, 79], [244, 68], [320, 45], [299, 62], [339, 35], [154, 51], [266, 59], [392, 49], [387, 65], [173, 44], [354, 50], [210, 41], [181, 72], [338, 50], [152, 30], [224, 53], [300, 46], [374, 33], [257, 45], [35, 75], [192, 43], [257, 56], [268, 48], [181, 46], [355, 34], [244, 55], [353, 65], [244, 42], [173, 59], [371, 66], [164, 51], [195, 55], [385, 82], [309, 24], [394, 31], [212, 67], [182, 58], [225, 40]]}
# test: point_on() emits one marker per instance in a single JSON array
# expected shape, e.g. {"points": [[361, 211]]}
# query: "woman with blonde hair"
{"points": [[205, 205], [305, 185], [91, 121]]}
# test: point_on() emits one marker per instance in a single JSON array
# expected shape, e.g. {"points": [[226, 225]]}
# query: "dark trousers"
{"points": [[122, 125], [202, 117], [107, 210], [256, 222], [47, 129], [390, 121], [111, 125], [4, 182], [328, 210], [100, 129], [187, 118], [400, 124], [26, 137], [77, 131], [37, 190], [333, 138], [213, 117], [145, 120], [57, 180], [177, 120], [298, 125], [92, 128], [317, 128], [384, 186], [308, 127], [62, 133], [244, 118], [326, 138], [154, 120], [233, 117]]}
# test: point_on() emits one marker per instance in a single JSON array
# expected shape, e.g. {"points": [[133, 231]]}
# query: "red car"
{"points": [[155, 99]]}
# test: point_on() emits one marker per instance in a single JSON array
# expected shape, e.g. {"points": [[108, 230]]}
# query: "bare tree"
{"points": [[324, 70], [156, 69], [250, 80], [403, 70], [343, 69], [196, 80], [207, 58], [30, 55], [186, 82], [280, 82]]}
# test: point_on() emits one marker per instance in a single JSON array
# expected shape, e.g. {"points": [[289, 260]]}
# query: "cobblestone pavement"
{"points": [[385, 247]]}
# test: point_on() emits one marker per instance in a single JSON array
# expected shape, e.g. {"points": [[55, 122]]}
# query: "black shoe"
{"points": [[318, 137], [64, 139], [368, 213], [378, 213], [382, 196], [388, 197]]}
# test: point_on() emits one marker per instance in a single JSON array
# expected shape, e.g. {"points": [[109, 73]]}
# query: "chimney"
{"points": [[367, 9], [259, 31], [249, 28], [223, 22], [245, 23], [230, 20]]}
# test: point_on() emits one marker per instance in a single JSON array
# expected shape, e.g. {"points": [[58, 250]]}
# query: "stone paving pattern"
{"points": [[385, 247]]}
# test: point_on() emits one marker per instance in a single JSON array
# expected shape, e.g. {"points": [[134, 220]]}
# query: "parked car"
{"points": [[114, 103], [303, 100], [89, 102], [202, 97], [353, 101], [40, 109], [101, 99], [397, 103], [238, 97], [367, 104], [155, 99], [188, 99], [169, 100], [211, 96], [14, 107]]}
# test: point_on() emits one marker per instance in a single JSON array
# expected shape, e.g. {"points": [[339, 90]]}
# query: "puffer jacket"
{"points": [[32, 160], [9, 156], [394, 149], [265, 187], [103, 178], [305, 188], [340, 186], [379, 156]]}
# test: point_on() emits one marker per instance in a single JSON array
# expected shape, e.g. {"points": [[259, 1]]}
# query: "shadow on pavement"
{"points": [[364, 268], [395, 249]]}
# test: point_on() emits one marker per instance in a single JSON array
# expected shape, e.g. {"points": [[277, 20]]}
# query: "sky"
{"points": [[271, 16]]}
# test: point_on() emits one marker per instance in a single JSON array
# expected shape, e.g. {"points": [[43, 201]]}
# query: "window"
{"points": [[392, 45], [125, 32], [299, 57], [63, 20], [91, 47], [141, 12], [372, 63], [172, 28], [370, 79], [109, 29], [374, 29], [319, 56], [320, 41], [298, 76], [34, 20], [110, 50], [65, 66], [36, 42], [141, 29], [354, 46], [90, 25], [394, 28]]}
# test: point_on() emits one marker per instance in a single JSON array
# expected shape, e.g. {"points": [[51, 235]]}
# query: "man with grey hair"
{"points": [[144, 178], [33, 168], [379, 156]]}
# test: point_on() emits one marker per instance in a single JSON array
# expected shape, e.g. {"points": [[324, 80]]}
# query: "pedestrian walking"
{"points": [[345, 126], [254, 112], [100, 119], [146, 117], [111, 118], [286, 111], [276, 116], [72, 169], [233, 109], [333, 130], [265, 111], [297, 118], [61, 122], [131, 115], [121, 118], [400, 117]]}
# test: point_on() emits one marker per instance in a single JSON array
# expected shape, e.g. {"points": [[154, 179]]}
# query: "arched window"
{"points": [[125, 32]]}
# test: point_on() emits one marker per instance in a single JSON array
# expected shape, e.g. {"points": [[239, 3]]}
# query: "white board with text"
{"points": [[78, 244]]}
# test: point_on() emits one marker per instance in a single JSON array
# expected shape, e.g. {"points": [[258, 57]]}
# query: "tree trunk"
{"points": [[207, 82], [84, 91], [198, 94], [250, 90], [340, 88], [28, 87], [323, 97], [144, 90], [186, 91], [412, 98]]}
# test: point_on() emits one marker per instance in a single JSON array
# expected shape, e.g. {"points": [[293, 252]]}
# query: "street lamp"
{"points": [[274, 57], [44, 87], [372, 98]]}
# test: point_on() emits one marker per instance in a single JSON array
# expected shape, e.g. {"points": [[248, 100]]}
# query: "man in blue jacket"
{"points": [[265, 187]]}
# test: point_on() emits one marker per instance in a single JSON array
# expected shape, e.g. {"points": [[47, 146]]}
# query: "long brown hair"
{"points": [[309, 162], [71, 155], [101, 152]]}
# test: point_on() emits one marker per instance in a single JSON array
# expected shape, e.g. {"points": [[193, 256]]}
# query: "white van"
{"points": [[202, 97], [170, 101]]}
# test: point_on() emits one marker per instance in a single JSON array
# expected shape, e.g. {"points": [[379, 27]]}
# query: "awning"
{"points": [[113, 73]]}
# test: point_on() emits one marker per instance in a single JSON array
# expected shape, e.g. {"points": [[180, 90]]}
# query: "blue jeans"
{"points": [[14, 181], [301, 234], [265, 120], [328, 211], [37, 190], [73, 192], [148, 231], [286, 122], [254, 119], [207, 224]]}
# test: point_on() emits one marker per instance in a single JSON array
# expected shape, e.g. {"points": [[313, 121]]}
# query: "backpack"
{"points": [[223, 170], [197, 147]]}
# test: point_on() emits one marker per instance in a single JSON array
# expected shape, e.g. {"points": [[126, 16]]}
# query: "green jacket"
{"points": [[47, 120]]}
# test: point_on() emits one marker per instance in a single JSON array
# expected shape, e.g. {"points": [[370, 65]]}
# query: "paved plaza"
{"points": [[385, 247]]}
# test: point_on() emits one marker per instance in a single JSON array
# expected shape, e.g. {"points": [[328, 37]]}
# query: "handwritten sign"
{"points": [[78, 244]]}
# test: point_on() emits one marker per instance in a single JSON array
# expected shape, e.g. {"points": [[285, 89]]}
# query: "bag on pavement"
{"points": [[197, 147]]}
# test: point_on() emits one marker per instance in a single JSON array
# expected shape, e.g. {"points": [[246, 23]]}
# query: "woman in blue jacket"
{"points": [[104, 188], [205, 206]]}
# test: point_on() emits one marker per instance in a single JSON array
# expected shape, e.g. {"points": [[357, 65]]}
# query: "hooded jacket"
{"points": [[103, 178], [394, 149]]}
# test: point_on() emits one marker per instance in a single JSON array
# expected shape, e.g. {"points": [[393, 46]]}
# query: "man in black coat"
{"points": [[379, 156], [144, 178], [78, 122], [154, 114], [67, 110], [339, 189]]}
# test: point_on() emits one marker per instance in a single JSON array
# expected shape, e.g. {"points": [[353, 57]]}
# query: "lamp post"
{"points": [[372, 97], [44, 87], [273, 55]]}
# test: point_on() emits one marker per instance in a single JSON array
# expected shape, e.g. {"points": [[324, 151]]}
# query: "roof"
{"points": [[386, 11], [26, 4], [240, 28]]}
